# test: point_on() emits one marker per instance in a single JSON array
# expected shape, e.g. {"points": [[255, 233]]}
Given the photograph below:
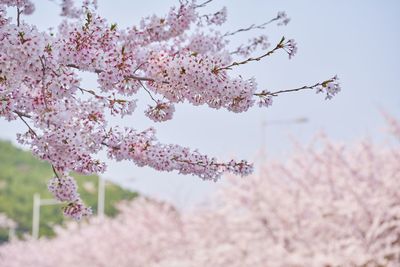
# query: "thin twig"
{"points": [[113, 147], [133, 77], [21, 114], [83, 90], [55, 172], [295, 90], [77, 67], [197, 163], [42, 59], [19, 12], [306, 87], [27, 124], [108, 98], [148, 92], [204, 3], [204, 164], [139, 78], [138, 67], [280, 45], [251, 27]]}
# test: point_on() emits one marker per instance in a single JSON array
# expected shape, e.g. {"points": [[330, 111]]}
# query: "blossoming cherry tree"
{"points": [[175, 58]]}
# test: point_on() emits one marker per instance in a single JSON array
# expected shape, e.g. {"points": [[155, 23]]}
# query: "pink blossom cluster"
{"points": [[26, 6], [328, 204], [253, 44], [198, 79], [69, 10], [218, 18], [282, 18], [73, 142], [65, 189], [175, 58], [76, 210], [155, 28], [290, 47], [209, 43], [144, 150], [162, 111], [265, 99], [330, 87], [335, 206]]}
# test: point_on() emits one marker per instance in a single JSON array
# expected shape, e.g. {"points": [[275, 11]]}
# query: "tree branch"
{"points": [[251, 27], [204, 3], [21, 114], [19, 12], [133, 77], [55, 172], [148, 92], [280, 45], [306, 87], [24, 121]]}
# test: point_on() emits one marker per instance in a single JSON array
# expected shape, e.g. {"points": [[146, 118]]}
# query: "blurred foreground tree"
{"points": [[327, 205]]}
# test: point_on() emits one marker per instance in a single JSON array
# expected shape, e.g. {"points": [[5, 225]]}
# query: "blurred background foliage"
{"points": [[22, 175]]}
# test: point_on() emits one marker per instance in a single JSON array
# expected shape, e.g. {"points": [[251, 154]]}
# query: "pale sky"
{"points": [[358, 40]]}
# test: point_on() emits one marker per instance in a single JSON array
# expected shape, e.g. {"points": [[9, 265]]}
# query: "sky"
{"points": [[358, 40]]}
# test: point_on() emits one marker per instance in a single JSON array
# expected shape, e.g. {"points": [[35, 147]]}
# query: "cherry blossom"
{"points": [[253, 44], [328, 204], [282, 19], [161, 112], [64, 188], [179, 57]]}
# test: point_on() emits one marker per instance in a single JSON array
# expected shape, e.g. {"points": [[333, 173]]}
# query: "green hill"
{"points": [[22, 175]]}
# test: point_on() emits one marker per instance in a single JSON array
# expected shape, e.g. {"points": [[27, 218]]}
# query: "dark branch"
{"points": [[133, 77], [306, 87], [21, 114], [19, 12], [251, 27], [55, 172], [29, 127], [204, 3], [148, 92], [280, 45]]}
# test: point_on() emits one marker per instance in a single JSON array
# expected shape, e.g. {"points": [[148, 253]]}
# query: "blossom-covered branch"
{"points": [[177, 57]]}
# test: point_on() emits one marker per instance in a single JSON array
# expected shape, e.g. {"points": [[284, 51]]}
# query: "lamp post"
{"points": [[37, 203], [101, 197]]}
